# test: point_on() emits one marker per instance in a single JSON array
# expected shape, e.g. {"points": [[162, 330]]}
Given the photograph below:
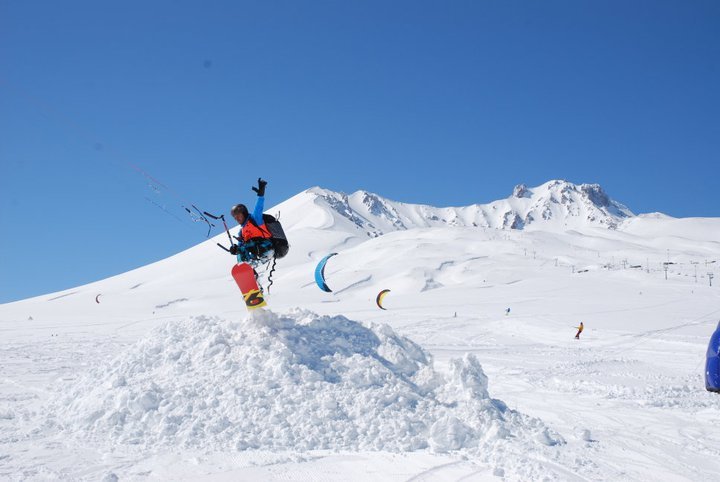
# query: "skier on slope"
{"points": [[254, 239]]}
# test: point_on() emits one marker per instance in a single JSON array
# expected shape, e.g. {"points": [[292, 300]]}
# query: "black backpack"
{"points": [[277, 236]]}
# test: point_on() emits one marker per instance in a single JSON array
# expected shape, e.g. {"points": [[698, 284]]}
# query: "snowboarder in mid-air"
{"points": [[261, 239], [254, 240], [253, 245]]}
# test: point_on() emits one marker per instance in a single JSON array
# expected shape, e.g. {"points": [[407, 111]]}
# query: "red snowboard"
{"points": [[245, 279]]}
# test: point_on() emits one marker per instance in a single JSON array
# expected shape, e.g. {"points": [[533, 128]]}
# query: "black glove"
{"points": [[260, 190], [233, 249]]}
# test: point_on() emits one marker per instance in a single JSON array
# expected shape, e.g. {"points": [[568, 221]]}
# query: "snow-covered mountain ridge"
{"points": [[554, 205]]}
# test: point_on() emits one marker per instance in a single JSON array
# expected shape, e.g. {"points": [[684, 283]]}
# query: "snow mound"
{"points": [[290, 382]]}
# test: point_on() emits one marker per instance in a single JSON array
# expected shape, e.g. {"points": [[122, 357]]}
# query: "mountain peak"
{"points": [[556, 205], [520, 191], [595, 194], [561, 199]]}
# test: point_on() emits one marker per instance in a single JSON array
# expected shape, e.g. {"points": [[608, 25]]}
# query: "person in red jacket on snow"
{"points": [[254, 240]]}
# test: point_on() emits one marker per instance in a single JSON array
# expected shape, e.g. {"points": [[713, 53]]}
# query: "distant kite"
{"points": [[381, 297], [320, 273], [97, 300]]}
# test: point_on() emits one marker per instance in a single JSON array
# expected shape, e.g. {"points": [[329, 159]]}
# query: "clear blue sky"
{"points": [[446, 103]]}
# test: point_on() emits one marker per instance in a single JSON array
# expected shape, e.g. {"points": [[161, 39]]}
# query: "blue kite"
{"points": [[320, 273]]}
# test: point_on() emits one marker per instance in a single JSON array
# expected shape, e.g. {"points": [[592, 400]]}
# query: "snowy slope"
{"points": [[168, 378]]}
